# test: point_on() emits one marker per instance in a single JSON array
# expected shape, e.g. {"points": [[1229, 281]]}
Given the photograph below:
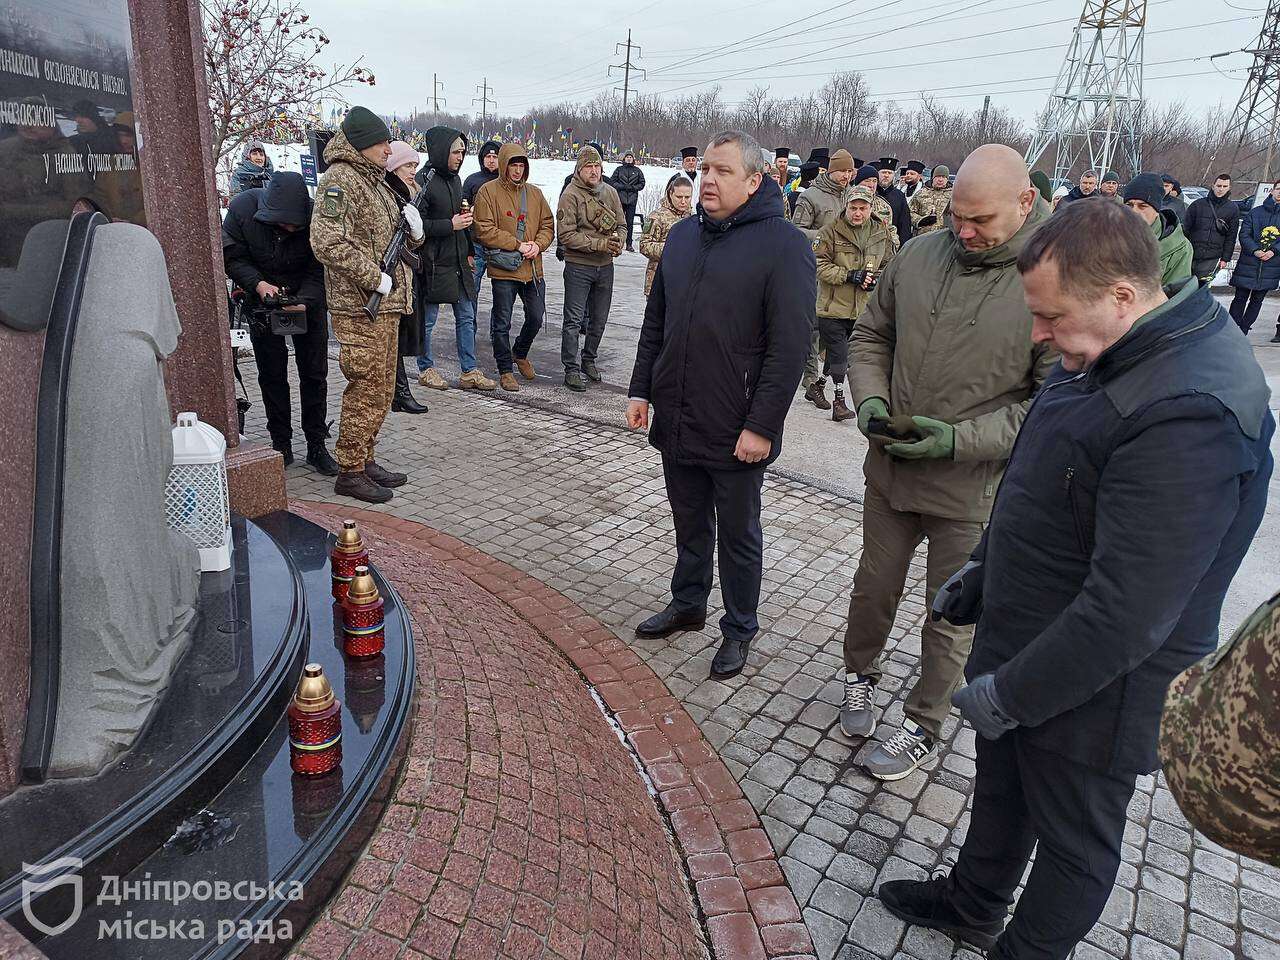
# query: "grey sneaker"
{"points": [[902, 753], [858, 715]]}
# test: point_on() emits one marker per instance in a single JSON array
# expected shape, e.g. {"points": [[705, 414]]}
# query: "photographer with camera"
{"points": [[266, 246]]}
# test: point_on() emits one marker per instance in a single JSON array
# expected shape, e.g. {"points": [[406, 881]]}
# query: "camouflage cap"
{"points": [[857, 192]]}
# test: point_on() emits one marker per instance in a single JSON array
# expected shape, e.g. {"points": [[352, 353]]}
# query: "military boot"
{"points": [[354, 483], [839, 412], [817, 395], [384, 477], [319, 458]]}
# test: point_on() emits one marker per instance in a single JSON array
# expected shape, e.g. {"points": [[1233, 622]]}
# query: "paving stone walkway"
{"points": [[581, 506]]}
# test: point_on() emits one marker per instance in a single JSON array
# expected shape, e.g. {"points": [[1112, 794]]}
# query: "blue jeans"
{"points": [[464, 319], [533, 297], [481, 263]]}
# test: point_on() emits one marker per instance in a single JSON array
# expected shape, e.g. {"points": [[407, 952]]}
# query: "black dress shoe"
{"points": [[672, 620], [285, 449], [926, 903], [730, 659]]}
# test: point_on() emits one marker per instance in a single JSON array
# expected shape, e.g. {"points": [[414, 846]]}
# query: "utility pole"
{"points": [[436, 87], [1255, 122], [626, 67], [982, 124], [1094, 110], [485, 100]]}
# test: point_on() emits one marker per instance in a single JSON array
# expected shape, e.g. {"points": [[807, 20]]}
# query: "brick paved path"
{"points": [[521, 827], [581, 506]]}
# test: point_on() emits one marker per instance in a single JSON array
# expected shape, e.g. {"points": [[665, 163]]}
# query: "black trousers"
{"points": [[533, 297], [1245, 307], [1026, 798], [629, 209], [311, 356], [833, 335], [703, 500]]}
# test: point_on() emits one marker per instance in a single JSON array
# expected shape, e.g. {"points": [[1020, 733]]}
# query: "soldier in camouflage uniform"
{"points": [[868, 176], [356, 214], [1220, 739], [930, 202], [676, 205]]}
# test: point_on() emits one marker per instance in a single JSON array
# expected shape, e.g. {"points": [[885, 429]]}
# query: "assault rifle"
{"points": [[396, 251]]}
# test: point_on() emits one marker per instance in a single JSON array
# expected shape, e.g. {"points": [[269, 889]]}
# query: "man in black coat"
{"points": [[446, 273], [897, 200], [1211, 224], [628, 180], [266, 248], [722, 347], [1136, 485]]}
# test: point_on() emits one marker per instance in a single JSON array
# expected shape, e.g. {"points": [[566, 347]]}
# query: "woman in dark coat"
{"points": [[1258, 270], [402, 164]]}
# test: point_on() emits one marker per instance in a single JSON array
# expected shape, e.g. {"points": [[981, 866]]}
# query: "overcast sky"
{"points": [[545, 51]]}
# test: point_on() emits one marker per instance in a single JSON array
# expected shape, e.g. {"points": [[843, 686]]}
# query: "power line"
{"points": [[485, 100], [626, 67]]}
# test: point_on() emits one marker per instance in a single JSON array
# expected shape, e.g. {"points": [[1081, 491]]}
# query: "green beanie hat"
{"points": [[363, 128], [941, 170]]}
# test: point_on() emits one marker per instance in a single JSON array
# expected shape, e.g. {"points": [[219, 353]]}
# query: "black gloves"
{"points": [[959, 600], [928, 221], [859, 277], [979, 703]]}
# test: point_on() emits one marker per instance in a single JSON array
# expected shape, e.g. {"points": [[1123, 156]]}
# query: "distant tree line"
{"points": [[842, 113]]}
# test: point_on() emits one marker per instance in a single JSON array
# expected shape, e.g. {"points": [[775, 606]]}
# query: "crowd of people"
{"points": [[1020, 373]]}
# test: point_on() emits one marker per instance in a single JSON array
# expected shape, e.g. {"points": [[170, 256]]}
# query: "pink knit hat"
{"points": [[401, 153]]}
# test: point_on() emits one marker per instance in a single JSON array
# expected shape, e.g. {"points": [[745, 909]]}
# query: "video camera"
{"points": [[272, 316]]}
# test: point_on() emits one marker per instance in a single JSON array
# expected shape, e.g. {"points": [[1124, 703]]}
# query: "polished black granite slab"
{"points": [[269, 825], [227, 692]]}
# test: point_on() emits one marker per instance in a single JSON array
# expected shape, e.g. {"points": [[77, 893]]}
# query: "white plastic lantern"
{"points": [[196, 499]]}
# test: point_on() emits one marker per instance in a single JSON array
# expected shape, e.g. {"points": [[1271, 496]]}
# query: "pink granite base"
{"points": [[255, 479], [14, 946], [21, 353]]}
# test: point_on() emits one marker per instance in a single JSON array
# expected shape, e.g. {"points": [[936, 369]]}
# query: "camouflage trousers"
{"points": [[367, 358]]}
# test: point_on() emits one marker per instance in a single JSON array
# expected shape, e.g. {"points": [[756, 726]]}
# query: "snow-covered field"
{"points": [[547, 175]]}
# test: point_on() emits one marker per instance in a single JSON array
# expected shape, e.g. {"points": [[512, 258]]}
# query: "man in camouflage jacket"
{"points": [[354, 219], [930, 202]]}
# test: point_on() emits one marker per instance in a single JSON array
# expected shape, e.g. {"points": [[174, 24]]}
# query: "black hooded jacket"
{"points": [[254, 248], [471, 186], [726, 332], [446, 276]]}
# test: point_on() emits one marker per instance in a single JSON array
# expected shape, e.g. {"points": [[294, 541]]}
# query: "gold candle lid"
{"points": [[314, 693], [362, 588], [349, 538]]}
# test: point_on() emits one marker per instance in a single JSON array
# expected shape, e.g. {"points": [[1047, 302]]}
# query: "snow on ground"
{"points": [[547, 175]]}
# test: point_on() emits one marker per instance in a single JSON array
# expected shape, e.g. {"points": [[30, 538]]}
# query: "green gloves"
{"points": [[939, 442], [871, 407]]}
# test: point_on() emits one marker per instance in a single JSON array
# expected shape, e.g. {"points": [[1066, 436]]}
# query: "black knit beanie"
{"points": [[363, 128], [1147, 187]]}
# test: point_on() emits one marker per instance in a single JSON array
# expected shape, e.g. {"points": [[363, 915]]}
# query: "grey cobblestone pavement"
{"points": [[552, 483], [581, 505]]}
